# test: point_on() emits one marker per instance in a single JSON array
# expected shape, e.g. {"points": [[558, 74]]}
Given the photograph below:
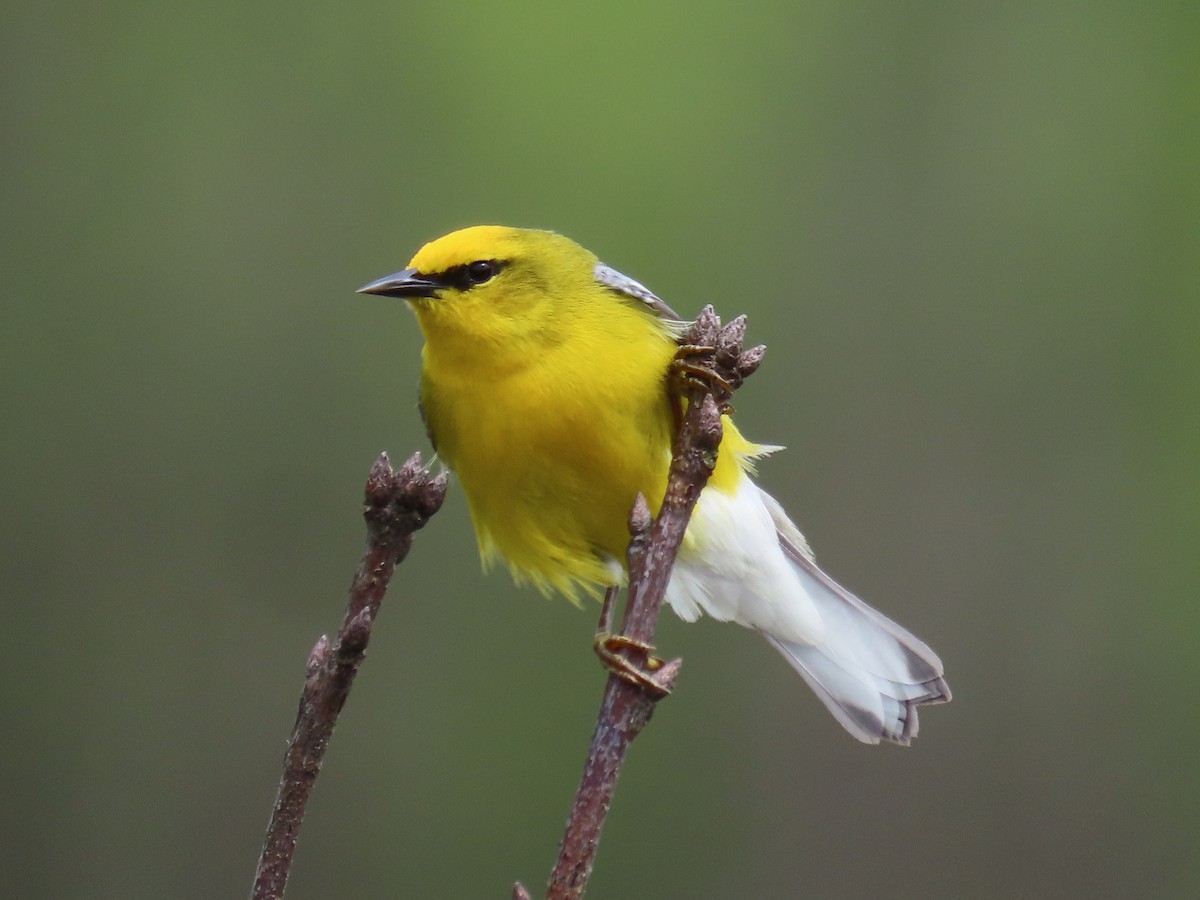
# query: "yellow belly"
{"points": [[551, 474], [552, 456]]}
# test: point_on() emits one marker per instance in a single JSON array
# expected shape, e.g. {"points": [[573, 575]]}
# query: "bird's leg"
{"points": [[607, 646], [606, 610]]}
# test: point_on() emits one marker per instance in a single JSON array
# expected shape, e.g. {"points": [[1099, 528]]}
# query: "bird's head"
{"points": [[492, 290]]}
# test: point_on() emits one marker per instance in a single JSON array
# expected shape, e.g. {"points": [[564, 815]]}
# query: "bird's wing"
{"points": [[623, 284]]}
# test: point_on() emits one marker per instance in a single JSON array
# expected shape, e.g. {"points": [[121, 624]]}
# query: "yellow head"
{"points": [[486, 294]]}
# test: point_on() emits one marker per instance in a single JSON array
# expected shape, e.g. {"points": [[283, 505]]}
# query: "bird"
{"points": [[545, 389]]}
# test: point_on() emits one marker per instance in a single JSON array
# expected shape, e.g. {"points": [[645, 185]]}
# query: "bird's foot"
{"points": [[608, 647], [711, 358]]}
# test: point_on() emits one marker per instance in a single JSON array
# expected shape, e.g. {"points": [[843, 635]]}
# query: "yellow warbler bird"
{"points": [[544, 387]]}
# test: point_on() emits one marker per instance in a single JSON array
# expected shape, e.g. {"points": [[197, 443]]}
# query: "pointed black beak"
{"points": [[409, 283]]}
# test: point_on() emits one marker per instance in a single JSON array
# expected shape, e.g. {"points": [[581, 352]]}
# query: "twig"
{"points": [[397, 504], [711, 364]]}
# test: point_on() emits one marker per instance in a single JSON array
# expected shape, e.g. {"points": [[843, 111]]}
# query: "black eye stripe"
{"points": [[468, 275]]}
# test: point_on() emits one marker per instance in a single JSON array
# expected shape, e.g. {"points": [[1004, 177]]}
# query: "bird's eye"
{"points": [[480, 271]]}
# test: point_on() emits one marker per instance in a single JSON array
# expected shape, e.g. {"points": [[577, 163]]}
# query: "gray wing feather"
{"points": [[623, 284]]}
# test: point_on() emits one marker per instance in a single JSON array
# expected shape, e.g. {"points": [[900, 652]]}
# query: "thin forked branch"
{"points": [[397, 504], [710, 365]]}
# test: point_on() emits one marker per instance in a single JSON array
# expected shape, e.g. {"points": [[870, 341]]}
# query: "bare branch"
{"points": [[709, 366], [397, 504]]}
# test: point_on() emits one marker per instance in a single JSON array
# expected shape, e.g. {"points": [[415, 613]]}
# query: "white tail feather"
{"points": [[871, 673], [749, 564]]}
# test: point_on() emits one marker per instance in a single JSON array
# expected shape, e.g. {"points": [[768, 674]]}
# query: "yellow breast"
{"points": [[552, 453]]}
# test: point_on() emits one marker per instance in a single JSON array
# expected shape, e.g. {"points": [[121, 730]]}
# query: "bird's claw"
{"points": [[711, 358], [608, 647]]}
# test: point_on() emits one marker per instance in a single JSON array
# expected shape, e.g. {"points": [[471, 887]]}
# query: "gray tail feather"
{"points": [[870, 672], [870, 707]]}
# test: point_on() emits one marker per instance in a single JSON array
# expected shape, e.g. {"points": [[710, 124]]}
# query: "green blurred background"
{"points": [[968, 234]]}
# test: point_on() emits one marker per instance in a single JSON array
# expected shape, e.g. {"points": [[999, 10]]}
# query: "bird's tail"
{"points": [[871, 673]]}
